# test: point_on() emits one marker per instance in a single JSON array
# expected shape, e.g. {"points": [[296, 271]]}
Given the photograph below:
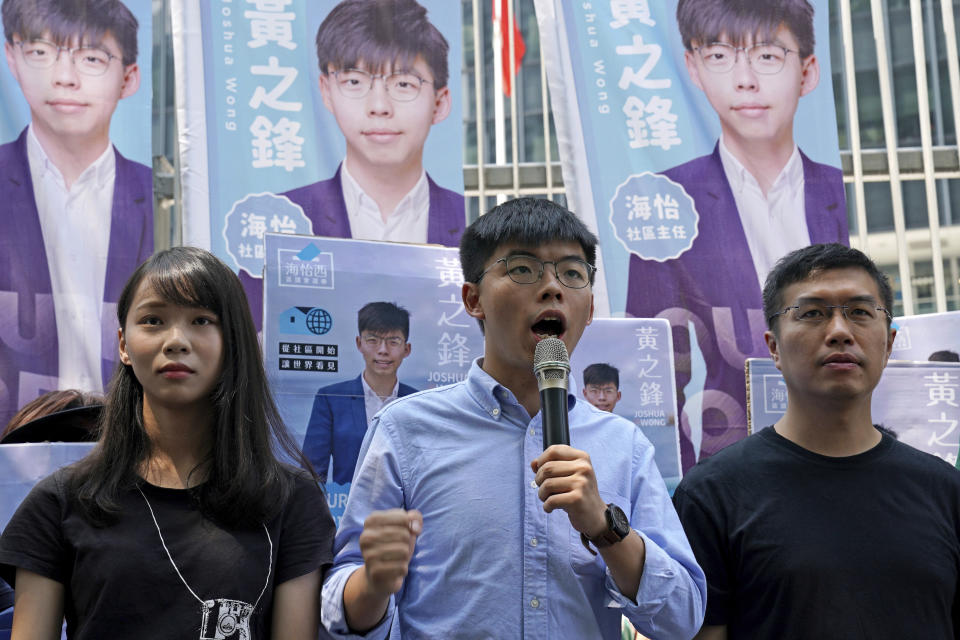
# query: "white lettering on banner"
{"points": [[647, 364], [272, 98], [941, 389], [639, 207], [284, 149], [667, 207], [938, 438], [650, 123], [650, 393], [270, 24], [624, 11], [646, 338], [283, 225], [447, 320], [450, 273], [453, 350], [640, 77]]}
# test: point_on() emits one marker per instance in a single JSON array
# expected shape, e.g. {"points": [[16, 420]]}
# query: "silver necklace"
{"points": [[221, 617]]}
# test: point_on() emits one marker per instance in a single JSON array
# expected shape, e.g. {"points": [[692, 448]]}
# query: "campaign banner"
{"points": [[685, 137], [77, 189], [314, 289], [918, 401], [926, 336], [640, 353], [265, 137]]}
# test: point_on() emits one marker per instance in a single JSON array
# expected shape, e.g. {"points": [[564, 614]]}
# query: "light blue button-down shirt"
{"points": [[490, 562]]}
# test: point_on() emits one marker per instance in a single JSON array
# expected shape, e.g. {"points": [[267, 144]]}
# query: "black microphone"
{"points": [[551, 365]]}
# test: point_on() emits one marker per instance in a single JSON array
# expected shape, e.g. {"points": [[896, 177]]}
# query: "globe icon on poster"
{"points": [[319, 321]]}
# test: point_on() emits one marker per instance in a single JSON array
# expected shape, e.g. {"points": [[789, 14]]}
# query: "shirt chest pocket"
{"points": [[584, 563]]}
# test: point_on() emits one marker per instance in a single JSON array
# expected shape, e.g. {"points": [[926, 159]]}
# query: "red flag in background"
{"points": [[510, 68]]}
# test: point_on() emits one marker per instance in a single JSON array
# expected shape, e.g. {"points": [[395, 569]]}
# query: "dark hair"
{"points": [[381, 317], [801, 264], [49, 403], [87, 21], [601, 373], [245, 482], [381, 34], [525, 221], [706, 21], [944, 356]]}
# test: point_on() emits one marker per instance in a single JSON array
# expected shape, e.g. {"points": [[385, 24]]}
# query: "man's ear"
{"points": [[590, 317], [122, 344], [441, 105], [358, 343], [406, 350], [809, 74], [471, 300], [690, 59], [771, 340], [131, 80]]}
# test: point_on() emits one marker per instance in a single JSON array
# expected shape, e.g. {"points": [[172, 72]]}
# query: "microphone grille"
{"points": [[550, 358]]}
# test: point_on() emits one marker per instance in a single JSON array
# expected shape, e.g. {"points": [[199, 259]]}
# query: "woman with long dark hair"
{"points": [[182, 522]]}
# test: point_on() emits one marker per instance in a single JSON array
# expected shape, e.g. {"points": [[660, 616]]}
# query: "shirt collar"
{"points": [[414, 204], [368, 391], [493, 397], [99, 173], [739, 177]]}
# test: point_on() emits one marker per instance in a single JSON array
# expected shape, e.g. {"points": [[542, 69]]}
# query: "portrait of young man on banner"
{"points": [[383, 76], [756, 197], [78, 213], [342, 411]]}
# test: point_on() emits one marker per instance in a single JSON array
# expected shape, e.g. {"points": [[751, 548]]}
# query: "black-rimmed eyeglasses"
{"points": [[861, 314], [572, 273], [401, 86], [40, 54], [764, 58]]}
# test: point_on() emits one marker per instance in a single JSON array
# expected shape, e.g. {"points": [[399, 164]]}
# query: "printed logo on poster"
{"points": [[251, 217], [774, 394], [305, 321], [653, 217], [309, 267]]}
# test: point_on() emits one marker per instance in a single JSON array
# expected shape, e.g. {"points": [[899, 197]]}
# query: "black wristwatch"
{"points": [[618, 528]]}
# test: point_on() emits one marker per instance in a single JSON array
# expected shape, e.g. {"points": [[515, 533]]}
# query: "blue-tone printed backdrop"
{"points": [[267, 127], [133, 114], [640, 112], [642, 350], [313, 290]]}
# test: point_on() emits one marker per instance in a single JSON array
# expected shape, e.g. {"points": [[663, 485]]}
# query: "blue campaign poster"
{"points": [[641, 350], [314, 288]]}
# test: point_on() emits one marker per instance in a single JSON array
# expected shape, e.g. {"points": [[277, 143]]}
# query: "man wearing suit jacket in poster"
{"points": [[342, 411], [757, 195], [77, 217]]}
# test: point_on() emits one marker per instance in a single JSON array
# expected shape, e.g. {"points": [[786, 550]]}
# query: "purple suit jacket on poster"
{"points": [[28, 328], [715, 286], [323, 204]]}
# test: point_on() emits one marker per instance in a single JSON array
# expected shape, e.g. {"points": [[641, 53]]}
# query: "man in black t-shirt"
{"points": [[822, 526]]}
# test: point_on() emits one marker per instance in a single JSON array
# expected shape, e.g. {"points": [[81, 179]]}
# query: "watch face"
{"points": [[617, 521]]}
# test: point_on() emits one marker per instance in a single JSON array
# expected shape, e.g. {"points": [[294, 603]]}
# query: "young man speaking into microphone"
{"points": [[460, 525]]}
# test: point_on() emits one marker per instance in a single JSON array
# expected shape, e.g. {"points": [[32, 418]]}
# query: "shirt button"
{"points": [[533, 483], [532, 432], [533, 542], [496, 411], [534, 603]]}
